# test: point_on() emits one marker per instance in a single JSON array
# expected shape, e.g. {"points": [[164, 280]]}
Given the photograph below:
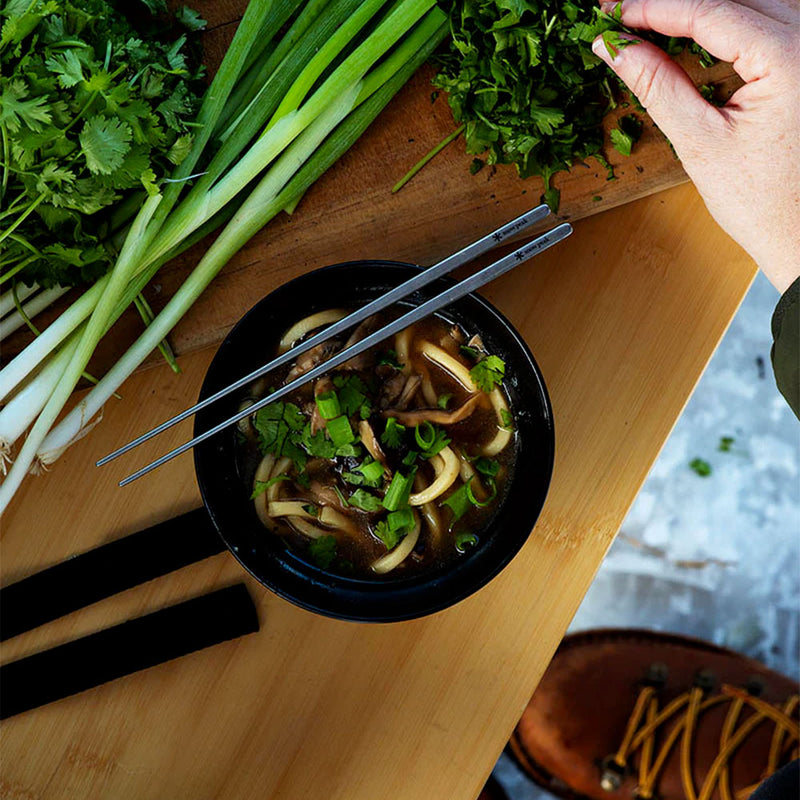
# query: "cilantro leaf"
{"points": [[365, 501], [323, 551], [392, 435], [389, 537], [488, 373]]}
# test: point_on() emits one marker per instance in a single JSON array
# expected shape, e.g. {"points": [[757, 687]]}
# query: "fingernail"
{"points": [[610, 46], [608, 8], [600, 50]]}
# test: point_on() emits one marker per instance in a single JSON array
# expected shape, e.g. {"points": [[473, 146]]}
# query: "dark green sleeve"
{"points": [[786, 346]]}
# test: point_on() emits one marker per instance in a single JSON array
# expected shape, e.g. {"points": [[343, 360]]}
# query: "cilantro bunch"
{"points": [[96, 103]]}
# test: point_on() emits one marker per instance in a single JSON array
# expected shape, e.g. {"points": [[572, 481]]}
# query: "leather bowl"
{"points": [[251, 343]]}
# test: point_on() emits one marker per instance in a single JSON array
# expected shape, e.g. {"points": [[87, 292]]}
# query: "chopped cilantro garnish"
{"points": [[353, 477], [701, 467], [280, 428], [389, 537], [365, 501], [392, 435], [352, 395], [725, 444], [310, 508], [262, 486], [389, 358], [443, 401], [318, 445], [488, 373], [506, 419], [322, 551]]}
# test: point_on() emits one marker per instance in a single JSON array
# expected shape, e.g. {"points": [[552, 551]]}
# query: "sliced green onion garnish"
{"points": [[372, 472], [398, 491], [484, 503], [487, 466], [328, 405], [425, 435], [458, 502], [444, 401], [340, 431], [464, 540], [410, 458]]}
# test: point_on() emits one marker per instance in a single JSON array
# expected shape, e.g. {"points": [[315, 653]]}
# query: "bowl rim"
{"points": [[387, 600]]}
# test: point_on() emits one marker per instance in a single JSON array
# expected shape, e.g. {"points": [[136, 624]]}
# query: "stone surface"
{"points": [[714, 556]]}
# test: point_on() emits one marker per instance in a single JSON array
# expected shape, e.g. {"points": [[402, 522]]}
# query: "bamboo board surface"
{"points": [[622, 318]]}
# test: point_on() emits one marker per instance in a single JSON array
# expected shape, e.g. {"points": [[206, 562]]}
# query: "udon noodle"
{"points": [[389, 465]]}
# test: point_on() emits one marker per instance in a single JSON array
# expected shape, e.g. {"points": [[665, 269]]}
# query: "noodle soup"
{"points": [[392, 464]]}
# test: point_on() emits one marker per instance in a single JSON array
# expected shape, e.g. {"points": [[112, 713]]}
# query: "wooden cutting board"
{"points": [[351, 213]]}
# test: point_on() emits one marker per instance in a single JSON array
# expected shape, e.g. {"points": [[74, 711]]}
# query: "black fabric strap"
{"points": [[134, 645], [106, 570]]}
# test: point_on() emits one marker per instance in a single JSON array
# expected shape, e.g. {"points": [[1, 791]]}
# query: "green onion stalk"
{"points": [[309, 117]]}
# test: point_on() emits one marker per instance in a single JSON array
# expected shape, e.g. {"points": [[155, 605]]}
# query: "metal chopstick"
{"points": [[410, 286], [419, 312]]}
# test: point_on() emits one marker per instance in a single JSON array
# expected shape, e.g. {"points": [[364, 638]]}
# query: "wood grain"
{"points": [[622, 319]]}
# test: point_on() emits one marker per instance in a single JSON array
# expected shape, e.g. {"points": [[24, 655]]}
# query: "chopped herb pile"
{"points": [[522, 77], [96, 100]]}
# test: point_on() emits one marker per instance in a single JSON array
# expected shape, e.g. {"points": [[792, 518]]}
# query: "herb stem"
{"points": [[425, 159], [22, 217]]}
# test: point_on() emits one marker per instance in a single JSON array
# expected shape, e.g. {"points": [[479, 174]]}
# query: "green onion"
{"points": [[484, 503], [410, 458], [398, 491], [348, 88], [458, 502], [340, 431], [465, 540], [372, 472], [328, 405], [425, 435], [487, 466]]}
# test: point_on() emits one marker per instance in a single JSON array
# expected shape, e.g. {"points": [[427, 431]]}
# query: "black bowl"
{"points": [[227, 498]]}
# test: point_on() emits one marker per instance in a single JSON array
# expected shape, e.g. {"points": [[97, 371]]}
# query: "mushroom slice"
{"points": [[409, 390], [436, 416], [315, 356], [370, 441]]}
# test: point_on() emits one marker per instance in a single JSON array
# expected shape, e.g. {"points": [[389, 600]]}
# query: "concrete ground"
{"points": [[711, 546]]}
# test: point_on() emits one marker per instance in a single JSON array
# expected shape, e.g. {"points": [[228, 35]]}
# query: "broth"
{"points": [[392, 464]]}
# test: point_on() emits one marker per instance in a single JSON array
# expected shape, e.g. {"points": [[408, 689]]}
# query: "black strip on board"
{"points": [[134, 645], [106, 570]]}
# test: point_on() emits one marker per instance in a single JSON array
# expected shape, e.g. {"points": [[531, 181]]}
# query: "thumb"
{"points": [[661, 86]]}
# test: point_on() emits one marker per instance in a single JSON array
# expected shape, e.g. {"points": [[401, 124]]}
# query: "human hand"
{"points": [[743, 158]]}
